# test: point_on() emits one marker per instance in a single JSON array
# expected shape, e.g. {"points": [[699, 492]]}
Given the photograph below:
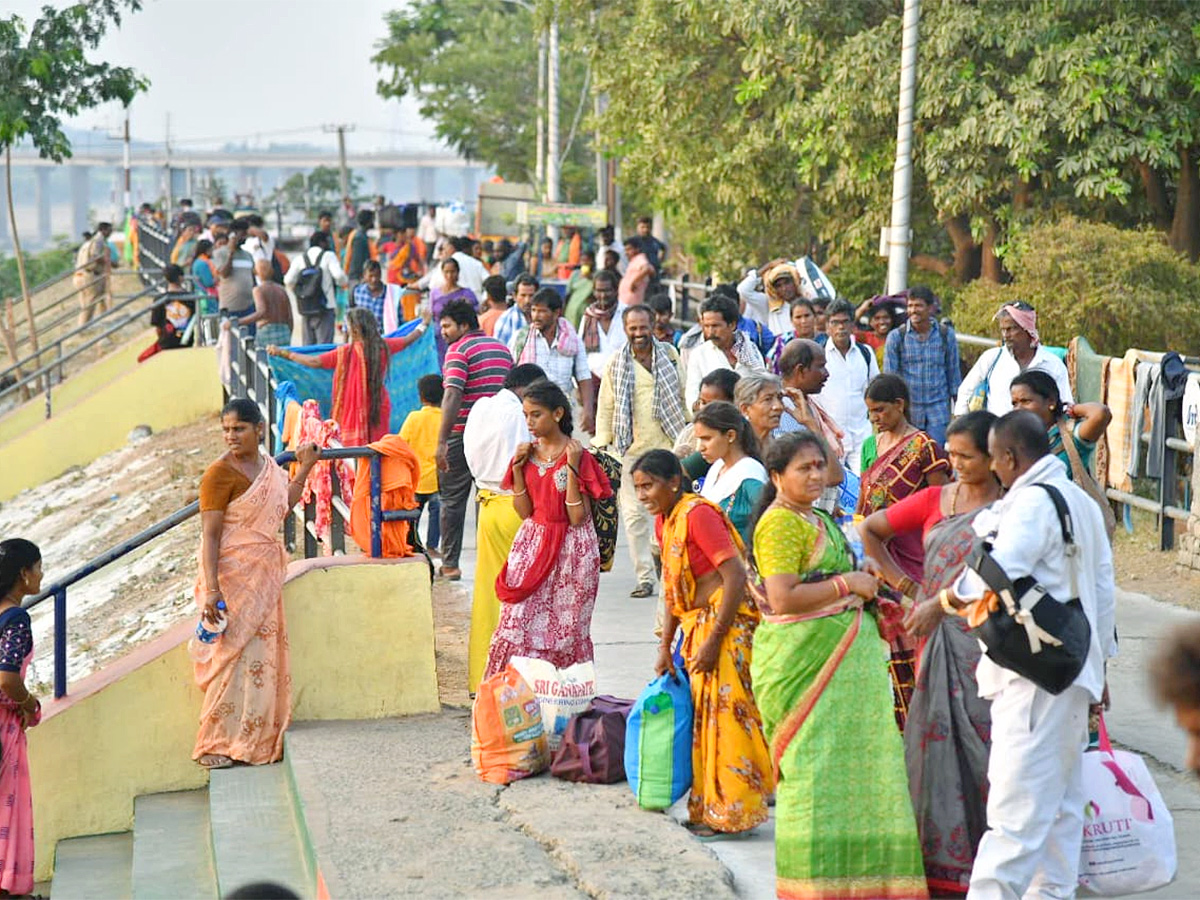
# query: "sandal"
{"points": [[450, 574], [215, 761], [645, 589], [702, 832]]}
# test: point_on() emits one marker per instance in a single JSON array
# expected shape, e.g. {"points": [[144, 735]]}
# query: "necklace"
{"points": [[805, 513], [954, 499], [544, 464]]}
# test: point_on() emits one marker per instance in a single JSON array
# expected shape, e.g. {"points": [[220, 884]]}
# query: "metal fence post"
{"points": [[376, 507], [60, 643], [1168, 485]]}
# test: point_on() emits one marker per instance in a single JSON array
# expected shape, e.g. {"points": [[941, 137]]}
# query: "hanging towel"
{"points": [[399, 473]]}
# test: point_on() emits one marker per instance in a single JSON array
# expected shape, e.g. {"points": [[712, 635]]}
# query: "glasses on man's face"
{"points": [[837, 322]]}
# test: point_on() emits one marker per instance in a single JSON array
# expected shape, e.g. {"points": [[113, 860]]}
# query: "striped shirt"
{"points": [[477, 365]]}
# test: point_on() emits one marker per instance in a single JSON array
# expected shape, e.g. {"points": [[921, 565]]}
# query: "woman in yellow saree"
{"points": [[704, 580], [844, 825]]}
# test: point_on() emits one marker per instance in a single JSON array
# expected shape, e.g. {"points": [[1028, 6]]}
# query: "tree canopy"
{"points": [[472, 65], [773, 120]]}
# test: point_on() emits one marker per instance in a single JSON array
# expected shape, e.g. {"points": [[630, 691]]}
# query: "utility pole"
{"points": [[899, 241], [341, 136], [552, 141], [539, 172], [127, 198], [167, 192]]}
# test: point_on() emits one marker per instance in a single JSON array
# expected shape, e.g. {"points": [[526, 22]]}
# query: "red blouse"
{"points": [[708, 540], [918, 511]]}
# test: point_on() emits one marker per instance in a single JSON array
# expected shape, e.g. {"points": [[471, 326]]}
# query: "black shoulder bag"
{"points": [[1030, 632]]}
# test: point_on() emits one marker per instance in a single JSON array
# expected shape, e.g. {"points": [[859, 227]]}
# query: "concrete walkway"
{"points": [[622, 630]]}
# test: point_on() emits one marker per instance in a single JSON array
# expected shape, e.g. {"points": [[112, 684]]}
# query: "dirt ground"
{"points": [[451, 622], [1143, 568]]}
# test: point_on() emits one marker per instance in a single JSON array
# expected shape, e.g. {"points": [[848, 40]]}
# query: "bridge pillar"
{"points": [[379, 178], [81, 182], [42, 201], [427, 184], [470, 183]]}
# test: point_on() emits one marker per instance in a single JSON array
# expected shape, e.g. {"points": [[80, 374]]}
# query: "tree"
{"points": [[45, 76], [321, 188], [472, 65], [1025, 108]]}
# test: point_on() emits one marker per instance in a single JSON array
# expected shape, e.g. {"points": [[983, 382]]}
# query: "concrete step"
{"points": [[254, 830], [172, 847], [90, 867]]}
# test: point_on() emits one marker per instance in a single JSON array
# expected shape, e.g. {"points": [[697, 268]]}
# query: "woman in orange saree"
{"points": [[361, 405], [244, 497], [704, 583]]}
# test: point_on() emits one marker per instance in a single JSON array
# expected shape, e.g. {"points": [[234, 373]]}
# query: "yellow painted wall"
{"points": [[362, 646], [168, 390]]}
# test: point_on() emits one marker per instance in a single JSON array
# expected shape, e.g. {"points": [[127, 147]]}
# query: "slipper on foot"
{"points": [[645, 589]]}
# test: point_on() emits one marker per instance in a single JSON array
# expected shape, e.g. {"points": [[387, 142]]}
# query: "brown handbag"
{"points": [[593, 745]]}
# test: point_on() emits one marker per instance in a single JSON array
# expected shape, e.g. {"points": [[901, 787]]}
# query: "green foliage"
{"points": [[39, 267], [324, 188], [45, 75], [1118, 288], [767, 121], [472, 65]]}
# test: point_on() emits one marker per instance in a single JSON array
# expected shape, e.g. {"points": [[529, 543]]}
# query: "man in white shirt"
{"points": [[471, 272], [427, 230], [1021, 349], [259, 244], [601, 330], [851, 365], [494, 428], [769, 292], [549, 341], [317, 326], [640, 408], [1036, 796], [724, 346]]}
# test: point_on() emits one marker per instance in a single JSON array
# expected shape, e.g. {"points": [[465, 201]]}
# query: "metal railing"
{"points": [[58, 590], [43, 372]]}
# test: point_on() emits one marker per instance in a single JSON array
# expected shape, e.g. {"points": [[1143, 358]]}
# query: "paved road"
{"points": [[622, 630]]}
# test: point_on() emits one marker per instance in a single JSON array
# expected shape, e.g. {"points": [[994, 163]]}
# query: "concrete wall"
{"points": [[362, 646], [94, 411]]}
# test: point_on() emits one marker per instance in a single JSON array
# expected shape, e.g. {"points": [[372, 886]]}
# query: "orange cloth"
{"points": [[399, 474], [220, 486]]}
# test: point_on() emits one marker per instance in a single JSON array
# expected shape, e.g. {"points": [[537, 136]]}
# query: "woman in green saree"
{"points": [[844, 825]]}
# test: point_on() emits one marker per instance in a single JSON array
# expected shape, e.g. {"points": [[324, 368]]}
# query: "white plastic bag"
{"points": [[1128, 833], [561, 693]]}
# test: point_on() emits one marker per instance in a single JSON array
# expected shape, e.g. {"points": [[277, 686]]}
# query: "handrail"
{"points": [[58, 590], [85, 345]]}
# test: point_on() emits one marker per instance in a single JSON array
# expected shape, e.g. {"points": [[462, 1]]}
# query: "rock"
{"points": [[139, 434]]}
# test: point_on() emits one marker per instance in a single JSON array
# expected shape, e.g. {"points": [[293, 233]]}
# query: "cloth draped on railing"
{"points": [[404, 368]]}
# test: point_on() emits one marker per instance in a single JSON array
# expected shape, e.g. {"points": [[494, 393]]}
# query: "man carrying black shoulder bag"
{"points": [[1040, 584]]}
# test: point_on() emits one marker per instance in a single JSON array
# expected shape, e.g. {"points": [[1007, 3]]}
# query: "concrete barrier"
{"points": [[94, 411], [362, 646]]}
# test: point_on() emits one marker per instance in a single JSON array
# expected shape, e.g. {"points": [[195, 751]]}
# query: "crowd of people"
{"points": [[802, 482]]}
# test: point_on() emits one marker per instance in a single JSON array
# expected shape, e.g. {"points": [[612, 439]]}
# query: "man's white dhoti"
{"points": [[1035, 799]]}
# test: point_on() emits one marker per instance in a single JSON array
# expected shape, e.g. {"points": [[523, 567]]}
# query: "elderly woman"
{"points": [[759, 397], [244, 497], [361, 404], [704, 583]]}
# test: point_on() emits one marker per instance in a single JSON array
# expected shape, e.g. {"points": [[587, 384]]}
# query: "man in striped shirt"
{"points": [[474, 368]]}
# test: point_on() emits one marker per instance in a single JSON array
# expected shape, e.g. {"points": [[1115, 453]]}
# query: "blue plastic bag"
{"points": [[658, 741]]}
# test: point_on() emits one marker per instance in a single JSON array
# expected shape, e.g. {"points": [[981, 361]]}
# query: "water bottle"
{"points": [[207, 634], [853, 538]]}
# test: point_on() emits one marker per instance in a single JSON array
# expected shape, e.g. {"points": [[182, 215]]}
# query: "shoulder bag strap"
{"points": [[1070, 549], [1082, 477]]}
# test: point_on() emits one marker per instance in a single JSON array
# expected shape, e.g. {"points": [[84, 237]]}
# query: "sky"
{"points": [[261, 71]]}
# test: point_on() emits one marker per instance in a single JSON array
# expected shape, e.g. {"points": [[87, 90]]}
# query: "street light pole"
{"points": [[899, 236], [552, 142], [539, 173], [127, 197], [341, 138]]}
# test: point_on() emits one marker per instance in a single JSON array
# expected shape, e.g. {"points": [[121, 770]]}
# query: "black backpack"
{"points": [[310, 287]]}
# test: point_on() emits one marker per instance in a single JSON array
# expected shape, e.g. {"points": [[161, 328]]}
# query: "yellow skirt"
{"points": [[498, 524]]}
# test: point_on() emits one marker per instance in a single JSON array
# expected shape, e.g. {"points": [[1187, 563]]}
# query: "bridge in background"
{"points": [[56, 198]]}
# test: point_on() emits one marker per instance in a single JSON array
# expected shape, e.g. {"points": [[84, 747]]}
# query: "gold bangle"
{"points": [[945, 601]]}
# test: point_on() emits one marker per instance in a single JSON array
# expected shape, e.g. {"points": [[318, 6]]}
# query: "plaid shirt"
{"points": [[364, 298], [929, 366]]}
